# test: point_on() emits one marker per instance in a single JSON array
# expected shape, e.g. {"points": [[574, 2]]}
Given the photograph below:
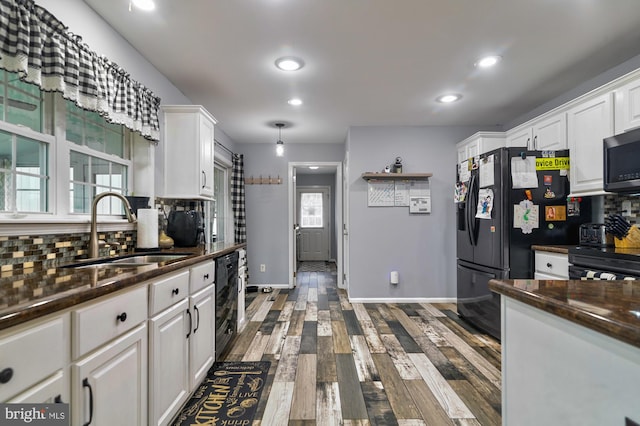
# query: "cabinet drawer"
{"points": [[100, 322], [30, 355], [202, 275], [168, 291], [552, 263]]}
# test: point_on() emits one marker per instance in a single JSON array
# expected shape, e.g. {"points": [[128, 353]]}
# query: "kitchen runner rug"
{"points": [[229, 395]]}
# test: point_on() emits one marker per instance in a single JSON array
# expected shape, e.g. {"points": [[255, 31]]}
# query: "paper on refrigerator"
{"points": [[523, 172]]}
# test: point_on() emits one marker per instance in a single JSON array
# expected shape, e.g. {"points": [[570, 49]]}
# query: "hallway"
{"points": [[333, 362]]}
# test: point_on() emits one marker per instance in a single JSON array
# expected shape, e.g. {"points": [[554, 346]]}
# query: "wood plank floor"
{"points": [[338, 363]]}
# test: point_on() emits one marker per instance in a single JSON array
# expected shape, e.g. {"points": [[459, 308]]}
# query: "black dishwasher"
{"points": [[226, 300]]}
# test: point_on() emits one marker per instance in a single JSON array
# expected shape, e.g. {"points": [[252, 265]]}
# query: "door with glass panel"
{"points": [[313, 205]]}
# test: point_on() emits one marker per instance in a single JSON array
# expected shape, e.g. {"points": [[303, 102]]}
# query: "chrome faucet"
{"points": [[93, 238]]}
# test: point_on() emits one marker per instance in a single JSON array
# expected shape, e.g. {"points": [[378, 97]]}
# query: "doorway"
{"points": [[316, 219], [313, 205]]}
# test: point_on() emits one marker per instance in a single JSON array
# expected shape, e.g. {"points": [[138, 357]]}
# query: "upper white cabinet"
{"points": [[547, 134], [627, 109], [588, 123], [479, 143], [188, 145]]}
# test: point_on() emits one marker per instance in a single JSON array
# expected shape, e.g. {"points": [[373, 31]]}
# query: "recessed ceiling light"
{"points": [[289, 63], [446, 99], [314, 167], [488, 61], [295, 101], [144, 4]]}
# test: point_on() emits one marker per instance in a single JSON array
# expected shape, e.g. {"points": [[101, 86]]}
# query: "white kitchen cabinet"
{"points": [[188, 147], [479, 143], [109, 386], [168, 362], [33, 361], [202, 337], [181, 339], [546, 134], [627, 107], [588, 123], [551, 266]]}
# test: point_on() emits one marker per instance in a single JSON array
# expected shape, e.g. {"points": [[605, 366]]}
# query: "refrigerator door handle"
{"points": [[473, 222], [468, 211]]}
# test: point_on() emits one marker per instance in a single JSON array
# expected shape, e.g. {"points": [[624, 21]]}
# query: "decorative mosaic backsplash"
{"points": [[613, 205], [41, 252]]}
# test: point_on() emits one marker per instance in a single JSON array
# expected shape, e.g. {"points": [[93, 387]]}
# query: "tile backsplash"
{"points": [[613, 205], [49, 251], [41, 252]]}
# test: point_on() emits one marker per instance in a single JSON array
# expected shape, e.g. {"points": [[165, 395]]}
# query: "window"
{"points": [[98, 154], [24, 179], [20, 103], [89, 129], [311, 210], [98, 163], [91, 176], [220, 205]]}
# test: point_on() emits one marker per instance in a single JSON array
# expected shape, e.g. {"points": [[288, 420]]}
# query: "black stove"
{"points": [[603, 263]]}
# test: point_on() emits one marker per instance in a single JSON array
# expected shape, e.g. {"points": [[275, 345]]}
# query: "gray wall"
{"points": [[324, 179], [382, 239], [267, 205]]}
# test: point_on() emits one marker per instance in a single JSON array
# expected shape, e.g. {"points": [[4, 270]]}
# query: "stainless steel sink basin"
{"points": [[130, 260]]}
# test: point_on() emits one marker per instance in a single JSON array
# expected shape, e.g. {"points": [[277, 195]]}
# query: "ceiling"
{"points": [[374, 62]]}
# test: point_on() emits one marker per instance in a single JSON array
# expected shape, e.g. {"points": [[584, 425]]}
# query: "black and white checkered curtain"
{"points": [[237, 199], [39, 48]]}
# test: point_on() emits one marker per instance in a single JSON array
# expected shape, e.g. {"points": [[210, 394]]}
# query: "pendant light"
{"points": [[279, 143]]}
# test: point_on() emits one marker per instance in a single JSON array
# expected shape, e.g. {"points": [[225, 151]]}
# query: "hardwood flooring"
{"points": [[338, 363]]}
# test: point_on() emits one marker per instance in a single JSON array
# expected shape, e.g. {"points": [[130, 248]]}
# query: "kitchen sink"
{"points": [[130, 260]]}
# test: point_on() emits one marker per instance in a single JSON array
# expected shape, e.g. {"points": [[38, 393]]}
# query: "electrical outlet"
{"points": [[263, 267]]}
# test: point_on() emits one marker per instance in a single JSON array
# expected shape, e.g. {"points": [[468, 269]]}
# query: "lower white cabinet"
{"points": [[109, 386], [168, 362], [202, 338], [33, 360], [182, 340], [551, 266]]}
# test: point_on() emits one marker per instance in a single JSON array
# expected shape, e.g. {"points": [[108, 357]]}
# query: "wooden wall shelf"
{"points": [[390, 176]]}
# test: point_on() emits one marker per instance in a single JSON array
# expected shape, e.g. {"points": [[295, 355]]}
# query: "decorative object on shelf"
{"points": [[405, 176], [279, 143], [263, 180], [397, 166]]}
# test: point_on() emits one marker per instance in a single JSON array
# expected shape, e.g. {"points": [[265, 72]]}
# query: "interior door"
{"points": [[313, 213]]}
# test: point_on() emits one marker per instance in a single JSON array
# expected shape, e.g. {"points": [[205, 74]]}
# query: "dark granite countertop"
{"points": [[28, 294], [562, 249], [608, 307]]}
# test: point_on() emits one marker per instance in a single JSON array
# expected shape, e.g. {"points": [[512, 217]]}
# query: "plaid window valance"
{"points": [[42, 51]]}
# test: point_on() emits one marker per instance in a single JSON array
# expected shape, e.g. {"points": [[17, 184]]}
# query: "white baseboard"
{"points": [[404, 300], [269, 285]]}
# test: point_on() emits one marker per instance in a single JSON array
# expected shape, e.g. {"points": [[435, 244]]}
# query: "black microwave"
{"points": [[622, 162]]}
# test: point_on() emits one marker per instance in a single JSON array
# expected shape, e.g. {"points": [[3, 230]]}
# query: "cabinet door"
{"points": [[462, 153], [473, 148], [522, 137], [627, 107], [588, 124], [202, 338], [206, 157], [109, 386], [242, 283], [168, 362], [550, 134]]}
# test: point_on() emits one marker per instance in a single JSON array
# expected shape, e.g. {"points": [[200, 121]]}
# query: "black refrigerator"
{"points": [[497, 224]]}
